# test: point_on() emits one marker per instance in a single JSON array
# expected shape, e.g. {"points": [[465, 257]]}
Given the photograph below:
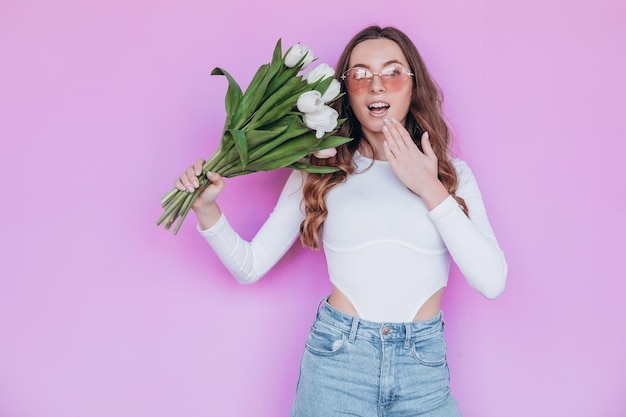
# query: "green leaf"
{"points": [[276, 113], [291, 119], [252, 96], [233, 95], [314, 169], [257, 91], [331, 142], [270, 164], [292, 126], [261, 151], [286, 153], [258, 137], [281, 78], [242, 145], [287, 95], [322, 85], [235, 172], [277, 57]]}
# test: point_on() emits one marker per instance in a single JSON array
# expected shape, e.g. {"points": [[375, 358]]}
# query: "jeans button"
{"points": [[386, 330]]}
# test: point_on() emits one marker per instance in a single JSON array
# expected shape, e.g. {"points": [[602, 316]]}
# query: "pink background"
{"points": [[104, 103]]}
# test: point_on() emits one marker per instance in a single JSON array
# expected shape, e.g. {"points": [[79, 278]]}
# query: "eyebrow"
{"points": [[393, 61]]}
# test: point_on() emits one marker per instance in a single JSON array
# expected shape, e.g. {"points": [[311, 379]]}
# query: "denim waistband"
{"points": [[388, 332]]}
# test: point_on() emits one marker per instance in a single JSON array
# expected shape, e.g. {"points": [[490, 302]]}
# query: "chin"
{"points": [[375, 126]]}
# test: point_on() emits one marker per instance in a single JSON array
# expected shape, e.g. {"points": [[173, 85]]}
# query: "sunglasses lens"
{"points": [[358, 80], [393, 78]]}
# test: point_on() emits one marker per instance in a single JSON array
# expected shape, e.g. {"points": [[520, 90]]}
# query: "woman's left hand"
{"points": [[416, 169]]}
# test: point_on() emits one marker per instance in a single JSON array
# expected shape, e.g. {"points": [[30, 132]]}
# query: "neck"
{"points": [[374, 148]]}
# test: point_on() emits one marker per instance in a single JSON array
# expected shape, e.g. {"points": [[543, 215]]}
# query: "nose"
{"points": [[376, 84]]}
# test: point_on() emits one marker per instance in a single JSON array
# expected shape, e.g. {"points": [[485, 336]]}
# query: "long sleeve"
{"points": [[471, 241], [249, 261]]}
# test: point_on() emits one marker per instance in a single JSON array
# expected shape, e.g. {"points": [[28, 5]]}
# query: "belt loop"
{"points": [[355, 325], [407, 339]]}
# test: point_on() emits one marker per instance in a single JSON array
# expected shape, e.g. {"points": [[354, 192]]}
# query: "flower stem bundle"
{"points": [[280, 120]]}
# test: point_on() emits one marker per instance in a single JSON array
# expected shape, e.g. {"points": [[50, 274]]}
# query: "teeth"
{"points": [[378, 105]]}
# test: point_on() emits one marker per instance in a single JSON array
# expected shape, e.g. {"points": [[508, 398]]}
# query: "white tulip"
{"points": [[322, 71], [325, 153], [322, 121], [296, 53], [332, 91], [310, 102]]}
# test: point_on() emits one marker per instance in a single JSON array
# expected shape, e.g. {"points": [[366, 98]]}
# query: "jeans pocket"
{"points": [[325, 339], [431, 351]]}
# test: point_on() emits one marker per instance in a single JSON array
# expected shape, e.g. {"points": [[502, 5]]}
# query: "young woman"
{"points": [[391, 219]]}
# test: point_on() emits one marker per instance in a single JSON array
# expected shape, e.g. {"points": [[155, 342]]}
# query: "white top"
{"points": [[385, 251]]}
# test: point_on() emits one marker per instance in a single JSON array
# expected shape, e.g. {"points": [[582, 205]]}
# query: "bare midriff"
{"points": [[429, 310]]}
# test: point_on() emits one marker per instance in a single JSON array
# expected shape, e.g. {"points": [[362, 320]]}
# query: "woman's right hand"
{"points": [[189, 182]]}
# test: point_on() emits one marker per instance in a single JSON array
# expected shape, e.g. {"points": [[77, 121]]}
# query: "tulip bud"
{"points": [[310, 102], [332, 91], [322, 121], [297, 53], [325, 153], [322, 71]]}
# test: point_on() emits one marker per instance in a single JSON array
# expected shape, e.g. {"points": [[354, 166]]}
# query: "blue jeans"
{"points": [[353, 367]]}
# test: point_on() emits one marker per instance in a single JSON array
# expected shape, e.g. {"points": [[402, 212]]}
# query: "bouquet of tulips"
{"points": [[280, 120]]}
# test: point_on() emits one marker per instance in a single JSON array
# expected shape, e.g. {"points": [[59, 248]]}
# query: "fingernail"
{"points": [[385, 129], [190, 189], [394, 120], [196, 184], [426, 135], [385, 121]]}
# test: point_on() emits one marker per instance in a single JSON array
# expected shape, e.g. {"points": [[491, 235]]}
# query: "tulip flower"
{"points": [[321, 72], [298, 54], [325, 153], [310, 102]]}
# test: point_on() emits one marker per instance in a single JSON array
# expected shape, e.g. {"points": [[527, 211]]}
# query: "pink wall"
{"points": [[103, 103]]}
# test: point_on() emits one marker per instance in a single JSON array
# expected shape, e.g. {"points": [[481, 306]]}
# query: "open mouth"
{"points": [[378, 107]]}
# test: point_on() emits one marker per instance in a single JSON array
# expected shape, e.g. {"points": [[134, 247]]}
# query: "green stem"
{"points": [[172, 206], [185, 208], [168, 196]]}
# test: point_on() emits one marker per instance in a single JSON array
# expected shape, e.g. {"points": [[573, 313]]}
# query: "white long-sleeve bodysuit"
{"points": [[385, 251]]}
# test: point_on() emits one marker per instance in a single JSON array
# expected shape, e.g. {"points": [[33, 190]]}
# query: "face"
{"points": [[382, 96]]}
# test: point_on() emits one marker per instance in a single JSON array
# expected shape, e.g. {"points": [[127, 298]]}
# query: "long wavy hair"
{"points": [[425, 114]]}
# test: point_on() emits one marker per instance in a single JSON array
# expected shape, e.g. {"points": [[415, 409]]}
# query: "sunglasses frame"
{"points": [[368, 80]]}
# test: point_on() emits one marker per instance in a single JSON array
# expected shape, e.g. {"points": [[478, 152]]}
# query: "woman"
{"points": [[391, 219]]}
